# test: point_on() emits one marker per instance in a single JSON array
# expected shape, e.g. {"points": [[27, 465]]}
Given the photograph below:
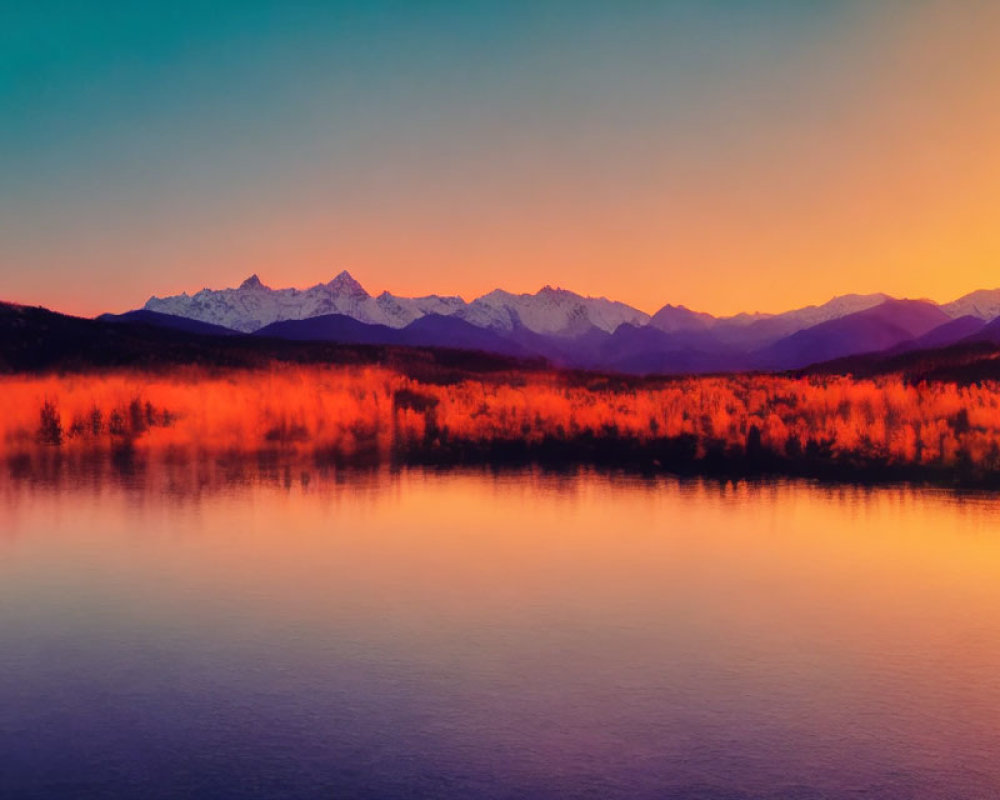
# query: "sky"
{"points": [[730, 156]]}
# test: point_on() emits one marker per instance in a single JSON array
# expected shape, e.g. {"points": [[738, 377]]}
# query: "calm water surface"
{"points": [[426, 635]]}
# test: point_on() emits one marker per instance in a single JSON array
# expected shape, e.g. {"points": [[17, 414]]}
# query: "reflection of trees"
{"points": [[49, 425]]}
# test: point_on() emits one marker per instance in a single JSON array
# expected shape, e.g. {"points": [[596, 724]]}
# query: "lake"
{"points": [[189, 631]]}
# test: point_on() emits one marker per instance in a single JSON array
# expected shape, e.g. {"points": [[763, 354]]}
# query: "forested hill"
{"points": [[34, 339]]}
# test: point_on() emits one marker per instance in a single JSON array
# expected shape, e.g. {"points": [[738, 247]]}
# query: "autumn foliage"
{"points": [[374, 413]]}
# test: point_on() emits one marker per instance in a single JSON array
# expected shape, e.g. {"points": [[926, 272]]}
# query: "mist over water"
{"points": [[206, 630]]}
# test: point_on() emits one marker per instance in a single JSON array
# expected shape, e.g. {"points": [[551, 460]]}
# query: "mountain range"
{"points": [[572, 330], [254, 305]]}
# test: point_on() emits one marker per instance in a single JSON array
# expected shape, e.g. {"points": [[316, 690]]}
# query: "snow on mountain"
{"points": [[745, 318], [766, 329], [876, 328], [549, 311], [671, 319], [556, 313], [760, 326], [254, 305], [834, 309], [404, 310], [984, 304]]}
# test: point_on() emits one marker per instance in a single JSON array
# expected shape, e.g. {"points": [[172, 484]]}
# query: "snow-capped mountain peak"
{"points": [[345, 283], [253, 304], [984, 304], [672, 319], [549, 311]]}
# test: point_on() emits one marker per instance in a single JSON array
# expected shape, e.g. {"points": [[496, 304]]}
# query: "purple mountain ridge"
{"points": [[573, 330], [874, 329]]}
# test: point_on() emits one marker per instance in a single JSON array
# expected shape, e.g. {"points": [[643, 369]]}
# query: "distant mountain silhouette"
{"points": [[34, 339], [942, 336], [647, 350], [431, 330], [989, 332], [549, 311], [566, 329], [436, 330], [145, 316], [330, 328], [874, 329], [680, 318], [576, 331]]}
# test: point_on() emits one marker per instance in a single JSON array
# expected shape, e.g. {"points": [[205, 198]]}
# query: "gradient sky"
{"points": [[753, 155]]}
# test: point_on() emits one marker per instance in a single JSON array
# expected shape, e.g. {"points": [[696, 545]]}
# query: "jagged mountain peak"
{"points": [[566, 319], [345, 283], [253, 305], [550, 310]]}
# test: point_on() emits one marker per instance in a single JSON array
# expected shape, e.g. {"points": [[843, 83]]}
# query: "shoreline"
{"points": [[642, 461]]}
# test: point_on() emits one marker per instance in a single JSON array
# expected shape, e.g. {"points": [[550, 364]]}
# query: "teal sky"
{"points": [[642, 150]]}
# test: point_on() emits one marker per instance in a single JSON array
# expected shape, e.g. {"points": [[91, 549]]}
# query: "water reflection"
{"points": [[273, 630]]}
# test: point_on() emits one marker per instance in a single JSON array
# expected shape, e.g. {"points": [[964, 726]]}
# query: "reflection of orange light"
{"points": [[348, 410], [812, 600]]}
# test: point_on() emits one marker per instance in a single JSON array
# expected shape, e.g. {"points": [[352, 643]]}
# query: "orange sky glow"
{"points": [[861, 158]]}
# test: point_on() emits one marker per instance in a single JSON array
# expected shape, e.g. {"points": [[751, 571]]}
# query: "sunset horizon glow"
{"points": [[649, 307], [723, 156]]}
